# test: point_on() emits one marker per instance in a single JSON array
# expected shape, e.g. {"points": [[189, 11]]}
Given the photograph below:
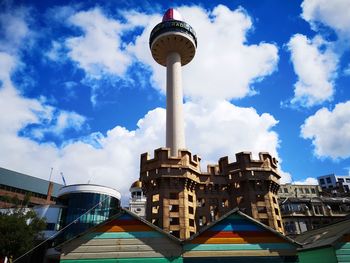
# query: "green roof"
{"points": [[26, 182]]}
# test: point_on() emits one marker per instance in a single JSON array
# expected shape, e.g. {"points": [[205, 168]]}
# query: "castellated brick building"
{"points": [[181, 199]]}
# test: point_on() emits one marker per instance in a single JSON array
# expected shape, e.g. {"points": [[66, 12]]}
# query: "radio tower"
{"points": [[173, 44]]}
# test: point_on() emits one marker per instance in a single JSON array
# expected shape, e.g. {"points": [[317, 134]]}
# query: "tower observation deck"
{"points": [[173, 44]]}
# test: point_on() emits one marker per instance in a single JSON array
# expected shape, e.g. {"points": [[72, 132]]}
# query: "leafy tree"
{"points": [[19, 229]]}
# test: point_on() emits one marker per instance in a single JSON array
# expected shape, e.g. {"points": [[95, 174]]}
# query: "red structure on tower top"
{"points": [[171, 14]]}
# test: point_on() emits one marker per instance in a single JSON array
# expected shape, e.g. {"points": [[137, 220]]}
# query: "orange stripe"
{"points": [[126, 228], [236, 234], [250, 240]]}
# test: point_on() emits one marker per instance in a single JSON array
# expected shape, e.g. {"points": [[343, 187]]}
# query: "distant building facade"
{"points": [[14, 185], [335, 184], [137, 202], [181, 199], [302, 214], [293, 190]]}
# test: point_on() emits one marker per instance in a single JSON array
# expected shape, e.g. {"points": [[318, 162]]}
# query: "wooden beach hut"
{"points": [[123, 238], [236, 237]]}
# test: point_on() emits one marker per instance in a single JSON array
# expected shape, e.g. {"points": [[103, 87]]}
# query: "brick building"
{"points": [[181, 199], [16, 186]]}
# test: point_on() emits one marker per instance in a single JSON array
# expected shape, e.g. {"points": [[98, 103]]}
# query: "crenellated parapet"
{"points": [[163, 159], [245, 162]]}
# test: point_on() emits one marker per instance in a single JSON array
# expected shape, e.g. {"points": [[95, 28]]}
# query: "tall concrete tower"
{"points": [[173, 44]]}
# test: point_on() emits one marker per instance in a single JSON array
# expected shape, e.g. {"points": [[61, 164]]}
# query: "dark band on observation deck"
{"points": [[172, 26]]}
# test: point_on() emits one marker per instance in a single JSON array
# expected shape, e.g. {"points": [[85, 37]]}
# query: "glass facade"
{"points": [[77, 206]]}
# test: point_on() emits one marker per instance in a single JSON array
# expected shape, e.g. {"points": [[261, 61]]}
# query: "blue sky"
{"points": [[81, 93]]}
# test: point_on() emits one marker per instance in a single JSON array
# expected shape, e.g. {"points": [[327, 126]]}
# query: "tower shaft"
{"points": [[175, 132]]}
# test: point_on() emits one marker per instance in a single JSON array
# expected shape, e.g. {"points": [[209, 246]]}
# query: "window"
{"points": [[313, 190], [279, 223], [340, 180], [224, 203], [190, 198], [307, 190], [175, 233], [318, 209], [274, 200], [328, 179], [155, 198], [190, 210], [285, 190], [347, 180], [261, 209], [155, 209], [301, 190], [322, 181], [174, 220], [191, 222], [276, 211], [173, 208]]}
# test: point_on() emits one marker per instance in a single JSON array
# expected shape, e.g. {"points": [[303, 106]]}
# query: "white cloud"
{"points": [[219, 129], [329, 131], [315, 64], [56, 53], [335, 14], [212, 129], [14, 29], [115, 159], [225, 65], [307, 181], [347, 70], [59, 122], [98, 49]]}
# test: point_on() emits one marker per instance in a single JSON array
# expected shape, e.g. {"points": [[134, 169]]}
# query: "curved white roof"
{"points": [[88, 188]]}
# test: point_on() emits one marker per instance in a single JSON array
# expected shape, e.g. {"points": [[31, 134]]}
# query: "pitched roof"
{"points": [[123, 211], [254, 221], [27, 182], [325, 236]]}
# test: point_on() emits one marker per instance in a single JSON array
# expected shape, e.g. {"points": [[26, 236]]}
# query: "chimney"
{"points": [[49, 193]]}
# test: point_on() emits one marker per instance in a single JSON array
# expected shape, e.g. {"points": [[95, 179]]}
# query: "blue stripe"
{"points": [[106, 235], [236, 227], [227, 247]]}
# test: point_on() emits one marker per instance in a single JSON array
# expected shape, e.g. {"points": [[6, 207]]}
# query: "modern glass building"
{"points": [[86, 205]]}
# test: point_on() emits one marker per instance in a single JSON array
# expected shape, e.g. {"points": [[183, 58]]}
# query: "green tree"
{"points": [[19, 230]]}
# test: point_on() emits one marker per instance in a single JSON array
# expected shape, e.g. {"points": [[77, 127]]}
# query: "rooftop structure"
{"points": [[18, 185], [294, 190], [137, 202], [303, 214], [334, 182], [88, 205]]}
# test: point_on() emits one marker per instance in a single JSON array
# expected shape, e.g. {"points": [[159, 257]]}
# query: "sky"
{"points": [[80, 92]]}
